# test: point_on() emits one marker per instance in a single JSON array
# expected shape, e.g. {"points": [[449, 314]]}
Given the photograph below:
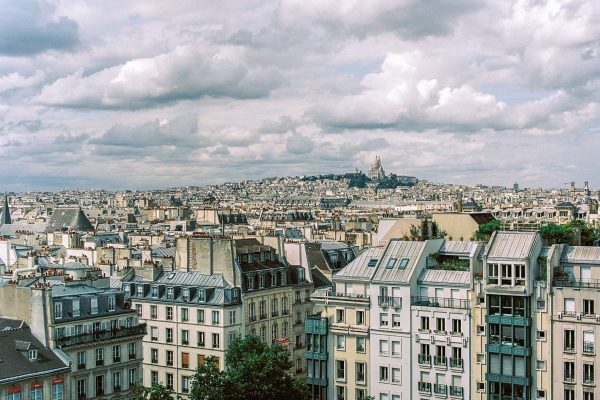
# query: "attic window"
{"points": [[372, 262], [33, 355], [391, 262], [202, 295], [169, 293], [403, 263], [171, 275]]}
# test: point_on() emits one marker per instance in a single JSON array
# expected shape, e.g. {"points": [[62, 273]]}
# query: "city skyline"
{"points": [[189, 93]]}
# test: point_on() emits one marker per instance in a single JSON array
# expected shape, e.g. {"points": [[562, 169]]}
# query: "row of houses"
{"points": [[507, 319]]}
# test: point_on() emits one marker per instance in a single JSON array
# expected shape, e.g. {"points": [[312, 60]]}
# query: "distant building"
{"points": [[376, 171]]}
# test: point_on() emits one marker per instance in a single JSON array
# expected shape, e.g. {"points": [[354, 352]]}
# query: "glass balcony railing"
{"points": [[101, 335], [424, 359]]}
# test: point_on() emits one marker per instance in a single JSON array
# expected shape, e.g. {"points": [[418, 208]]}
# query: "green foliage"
{"points": [[555, 233], [589, 234], [254, 371], [484, 232], [156, 392], [450, 263]]}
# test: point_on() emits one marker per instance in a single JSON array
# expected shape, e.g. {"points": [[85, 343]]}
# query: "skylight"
{"points": [[391, 262], [372, 262], [403, 263]]}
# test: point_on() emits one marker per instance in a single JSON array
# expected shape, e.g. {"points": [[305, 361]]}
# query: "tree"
{"points": [[254, 371], [554, 233], [156, 392], [484, 232]]}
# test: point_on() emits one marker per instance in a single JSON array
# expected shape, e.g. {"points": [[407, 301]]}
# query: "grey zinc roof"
{"points": [[512, 245], [581, 254], [456, 247], [358, 268], [69, 218], [445, 277], [192, 278], [14, 361], [399, 249], [162, 251]]}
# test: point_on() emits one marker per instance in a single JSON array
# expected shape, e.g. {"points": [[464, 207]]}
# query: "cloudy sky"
{"points": [[151, 94]]}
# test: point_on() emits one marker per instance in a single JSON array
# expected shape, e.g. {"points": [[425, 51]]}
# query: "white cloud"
{"points": [[15, 80]]}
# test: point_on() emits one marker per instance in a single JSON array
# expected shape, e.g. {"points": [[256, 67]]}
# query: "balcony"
{"points": [[116, 388], [154, 360], [425, 301], [424, 359], [263, 316], [81, 366], [387, 301], [252, 318], [117, 359], [132, 356], [97, 336], [285, 312], [439, 361], [424, 387], [577, 283], [274, 314], [456, 391], [440, 389], [99, 363], [457, 363]]}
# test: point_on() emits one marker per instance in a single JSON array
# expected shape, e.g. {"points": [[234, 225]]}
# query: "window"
{"points": [[284, 331], [403, 263], [154, 291], [36, 393], [541, 335], [81, 359], [169, 381], [99, 385], [569, 340], [94, 305], [588, 374], [541, 304], [16, 395], [391, 262], [340, 392], [169, 356], [185, 360], [138, 308], [185, 315], [284, 305], [169, 313], [131, 348], [360, 394], [261, 281], [395, 320], [185, 337], [396, 375], [154, 377], [116, 381], [383, 347], [395, 348], [569, 371], [76, 311], [169, 293], [541, 394], [456, 326], [154, 333], [588, 395], [440, 325], [383, 374], [215, 340], [215, 317], [383, 319], [58, 391], [81, 388], [424, 323], [116, 353], [588, 342], [200, 316], [111, 304], [185, 384], [201, 295], [274, 332], [340, 342], [263, 309], [340, 369], [273, 280], [140, 291], [569, 394], [263, 333], [99, 357], [232, 317], [540, 365], [588, 307], [481, 329], [154, 356], [360, 372], [339, 315], [360, 344], [132, 376], [480, 358], [372, 262], [480, 386], [186, 294], [360, 317], [569, 306], [153, 312], [58, 310]]}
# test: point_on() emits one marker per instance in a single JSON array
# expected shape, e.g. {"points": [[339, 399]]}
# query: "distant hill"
{"points": [[360, 180]]}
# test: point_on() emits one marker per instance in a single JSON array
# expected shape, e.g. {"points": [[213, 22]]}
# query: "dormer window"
{"points": [[33, 354], [169, 293], [273, 279], [111, 303], [268, 256], [58, 310], [140, 291], [250, 258], [186, 294], [127, 290], [261, 281], [283, 279], [202, 295], [76, 311], [94, 305], [301, 275], [250, 283], [155, 291]]}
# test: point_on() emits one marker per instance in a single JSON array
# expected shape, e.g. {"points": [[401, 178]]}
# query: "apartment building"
{"points": [[510, 321], [575, 322], [441, 319], [347, 306], [94, 327], [190, 316], [317, 356]]}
